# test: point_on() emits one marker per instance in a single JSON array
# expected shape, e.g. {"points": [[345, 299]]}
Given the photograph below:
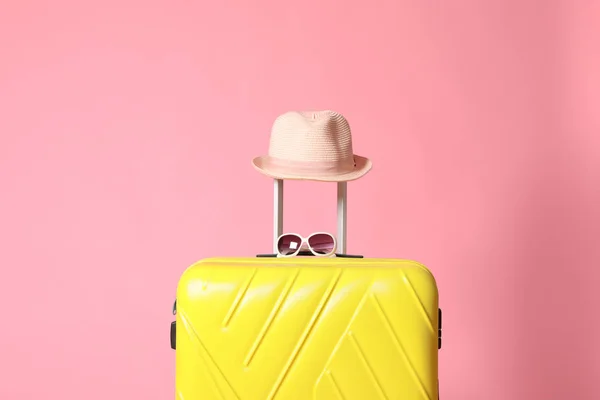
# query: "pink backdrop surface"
{"points": [[127, 130]]}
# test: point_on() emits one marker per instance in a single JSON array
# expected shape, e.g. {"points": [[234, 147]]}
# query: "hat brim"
{"points": [[264, 165]]}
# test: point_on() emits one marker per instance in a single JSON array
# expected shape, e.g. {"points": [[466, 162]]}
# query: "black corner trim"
{"points": [[173, 335], [439, 328]]}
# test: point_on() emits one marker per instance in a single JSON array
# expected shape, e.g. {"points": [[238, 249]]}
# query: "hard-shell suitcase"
{"points": [[307, 327]]}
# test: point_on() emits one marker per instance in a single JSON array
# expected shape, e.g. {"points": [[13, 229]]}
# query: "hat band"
{"points": [[315, 168]]}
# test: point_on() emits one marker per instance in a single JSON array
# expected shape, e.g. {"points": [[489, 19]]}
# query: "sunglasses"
{"points": [[320, 244]]}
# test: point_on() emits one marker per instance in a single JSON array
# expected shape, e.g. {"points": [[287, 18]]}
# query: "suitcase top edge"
{"points": [[307, 262], [329, 261]]}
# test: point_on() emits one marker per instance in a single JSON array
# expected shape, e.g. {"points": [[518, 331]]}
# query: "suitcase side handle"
{"points": [[342, 213], [173, 332]]}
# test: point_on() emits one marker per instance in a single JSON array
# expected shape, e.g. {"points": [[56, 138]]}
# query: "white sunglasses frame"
{"points": [[304, 240]]}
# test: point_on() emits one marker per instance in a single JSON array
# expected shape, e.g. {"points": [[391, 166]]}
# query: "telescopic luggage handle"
{"points": [[342, 208]]}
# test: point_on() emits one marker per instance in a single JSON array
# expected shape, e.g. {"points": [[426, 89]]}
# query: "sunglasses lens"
{"points": [[321, 243], [288, 244]]}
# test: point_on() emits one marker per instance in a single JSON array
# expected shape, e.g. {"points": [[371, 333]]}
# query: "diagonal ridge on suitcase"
{"points": [[205, 356], [417, 300], [274, 311], [335, 385], [239, 298], [394, 335], [369, 368], [307, 331], [338, 344]]}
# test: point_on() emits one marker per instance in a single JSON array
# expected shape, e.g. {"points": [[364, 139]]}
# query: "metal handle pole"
{"points": [[278, 212], [342, 214]]}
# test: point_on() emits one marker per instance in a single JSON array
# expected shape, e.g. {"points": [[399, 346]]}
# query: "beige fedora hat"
{"points": [[312, 145]]}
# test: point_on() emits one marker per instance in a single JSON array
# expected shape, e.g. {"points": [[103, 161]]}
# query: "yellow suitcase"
{"points": [[307, 328]]}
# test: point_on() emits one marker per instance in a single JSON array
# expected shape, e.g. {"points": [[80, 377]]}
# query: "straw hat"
{"points": [[314, 146]]}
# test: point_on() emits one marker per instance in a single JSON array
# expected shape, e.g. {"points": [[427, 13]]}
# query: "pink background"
{"points": [[127, 129]]}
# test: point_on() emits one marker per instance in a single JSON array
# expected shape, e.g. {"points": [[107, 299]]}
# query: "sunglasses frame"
{"points": [[305, 240]]}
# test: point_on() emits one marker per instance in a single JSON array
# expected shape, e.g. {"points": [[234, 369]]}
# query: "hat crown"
{"points": [[311, 136]]}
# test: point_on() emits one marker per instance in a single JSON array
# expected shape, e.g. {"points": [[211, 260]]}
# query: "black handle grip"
{"points": [[308, 253]]}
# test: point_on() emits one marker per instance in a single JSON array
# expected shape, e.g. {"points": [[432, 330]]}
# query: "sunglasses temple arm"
{"points": [[277, 211], [342, 215]]}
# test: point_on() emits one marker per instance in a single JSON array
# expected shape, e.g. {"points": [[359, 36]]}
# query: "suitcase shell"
{"points": [[306, 328]]}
